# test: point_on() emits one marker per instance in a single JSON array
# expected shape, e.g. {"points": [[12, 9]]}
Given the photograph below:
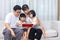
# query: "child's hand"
{"points": [[33, 25], [17, 24]]}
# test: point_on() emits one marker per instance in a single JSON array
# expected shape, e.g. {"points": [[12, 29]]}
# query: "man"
{"points": [[12, 31]]}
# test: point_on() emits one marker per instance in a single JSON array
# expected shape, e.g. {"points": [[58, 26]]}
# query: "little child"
{"points": [[33, 18], [22, 20]]}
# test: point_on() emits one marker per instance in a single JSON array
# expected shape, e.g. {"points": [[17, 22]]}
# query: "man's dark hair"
{"points": [[16, 7], [24, 7], [32, 12], [22, 15]]}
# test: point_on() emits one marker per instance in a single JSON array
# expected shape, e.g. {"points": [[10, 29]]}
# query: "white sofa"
{"points": [[1, 29], [51, 28]]}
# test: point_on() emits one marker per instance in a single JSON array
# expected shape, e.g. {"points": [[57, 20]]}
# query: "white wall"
{"points": [[45, 9]]}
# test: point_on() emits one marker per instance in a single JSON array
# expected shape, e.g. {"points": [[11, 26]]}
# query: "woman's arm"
{"points": [[43, 30], [37, 21], [44, 34]]}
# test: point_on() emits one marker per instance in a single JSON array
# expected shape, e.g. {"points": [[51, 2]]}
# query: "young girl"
{"points": [[22, 20], [36, 31]]}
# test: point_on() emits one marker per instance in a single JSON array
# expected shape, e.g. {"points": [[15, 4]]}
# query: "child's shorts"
{"points": [[25, 30]]}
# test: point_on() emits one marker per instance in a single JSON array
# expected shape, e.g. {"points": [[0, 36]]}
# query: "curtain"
{"points": [[45, 9]]}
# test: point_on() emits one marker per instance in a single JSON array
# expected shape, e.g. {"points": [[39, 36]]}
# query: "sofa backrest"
{"points": [[50, 25], [1, 28], [46, 24]]}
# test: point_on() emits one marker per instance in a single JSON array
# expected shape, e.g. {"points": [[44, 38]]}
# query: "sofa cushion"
{"points": [[51, 33], [46, 25]]}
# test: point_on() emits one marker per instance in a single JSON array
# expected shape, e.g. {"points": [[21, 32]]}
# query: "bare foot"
{"points": [[35, 39]]}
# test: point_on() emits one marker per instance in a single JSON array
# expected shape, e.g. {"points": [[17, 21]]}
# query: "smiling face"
{"points": [[26, 11], [22, 18], [25, 8], [17, 12], [30, 15]]}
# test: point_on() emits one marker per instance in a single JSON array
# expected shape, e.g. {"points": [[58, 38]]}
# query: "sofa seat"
{"points": [[51, 33], [1, 29]]}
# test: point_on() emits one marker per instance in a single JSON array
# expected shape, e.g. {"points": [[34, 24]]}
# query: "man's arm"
{"points": [[9, 28], [7, 24]]}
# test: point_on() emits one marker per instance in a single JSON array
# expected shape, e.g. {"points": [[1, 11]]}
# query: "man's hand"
{"points": [[12, 33], [7, 25]]}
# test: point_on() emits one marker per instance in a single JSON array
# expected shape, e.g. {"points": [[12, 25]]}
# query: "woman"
{"points": [[31, 35], [37, 30]]}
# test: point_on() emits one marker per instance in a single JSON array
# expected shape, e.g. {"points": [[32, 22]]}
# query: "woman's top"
{"points": [[33, 21]]}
